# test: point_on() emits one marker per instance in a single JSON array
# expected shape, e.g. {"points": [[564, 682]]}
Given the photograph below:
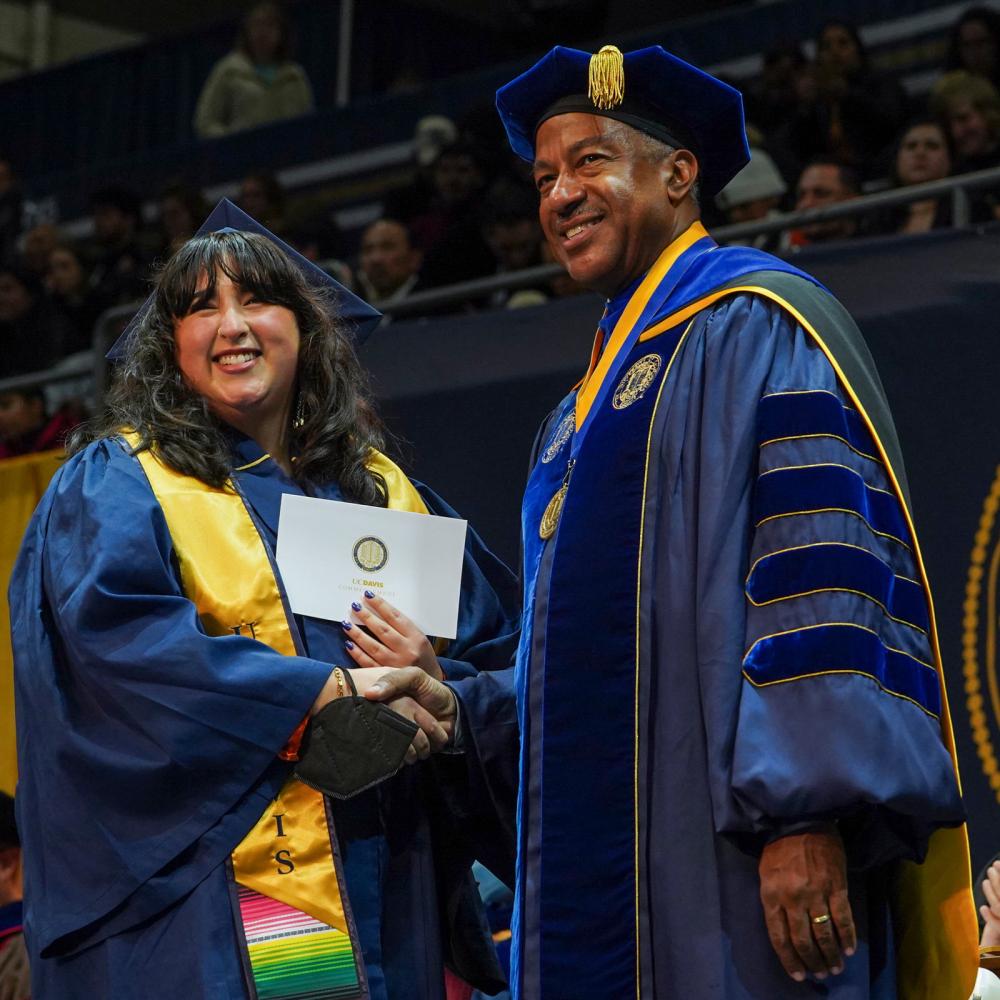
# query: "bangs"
{"points": [[250, 261]]}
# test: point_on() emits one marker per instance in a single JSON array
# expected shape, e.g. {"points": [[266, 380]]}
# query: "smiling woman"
{"points": [[169, 824]]}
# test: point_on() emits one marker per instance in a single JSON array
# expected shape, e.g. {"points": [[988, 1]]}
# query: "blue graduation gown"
{"points": [[724, 641], [147, 750]]}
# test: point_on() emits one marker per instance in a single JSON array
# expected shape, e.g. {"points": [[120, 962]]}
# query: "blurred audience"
{"points": [[15, 981], [118, 264], [11, 209], [974, 44], [754, 193], [923, 154], [257, 82], [847, 111], [773, 99], [389, 262], [513, 234], [70, 290], [26, 427], [432, 134], [262, 196], [823, 183], [33, 333], [449, 232], [970, 107], [38, 244], [182, 210]]}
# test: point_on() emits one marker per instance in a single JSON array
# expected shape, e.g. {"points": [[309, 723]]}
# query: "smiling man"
{"points": [[737, 776]]}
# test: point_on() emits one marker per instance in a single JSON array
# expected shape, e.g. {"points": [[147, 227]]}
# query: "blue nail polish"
{"points": [[345, 625], [349, 644], [355, 605], [369, 594]]}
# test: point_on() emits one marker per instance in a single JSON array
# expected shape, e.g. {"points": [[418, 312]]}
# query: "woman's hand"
{"points": [[990, 912], [363, 680], [394, 641]]}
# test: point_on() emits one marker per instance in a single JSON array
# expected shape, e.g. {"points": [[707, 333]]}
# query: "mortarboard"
{"points": [[649, 89], [228, 218]]}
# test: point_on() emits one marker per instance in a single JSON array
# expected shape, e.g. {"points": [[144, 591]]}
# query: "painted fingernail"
{"points": [[799, 977], [848, 952], [369, 594], [355, 605], [837, 970], [345, 624], [349, 644]]}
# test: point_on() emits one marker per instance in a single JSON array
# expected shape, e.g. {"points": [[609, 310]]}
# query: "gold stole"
{"points": [[227, 575]]}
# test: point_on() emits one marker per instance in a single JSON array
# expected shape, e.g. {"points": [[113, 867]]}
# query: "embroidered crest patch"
{"points": [[563, 433], [636, 381]]}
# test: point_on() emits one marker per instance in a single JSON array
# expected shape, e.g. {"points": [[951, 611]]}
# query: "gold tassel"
{"points": [[606, 84]]}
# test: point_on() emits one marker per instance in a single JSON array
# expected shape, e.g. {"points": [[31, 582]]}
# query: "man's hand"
{"points": [[802, 877], [430, 704], [363, 680]]}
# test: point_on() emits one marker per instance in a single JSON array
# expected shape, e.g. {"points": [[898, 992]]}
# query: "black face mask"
{"points": [[352, 744]]}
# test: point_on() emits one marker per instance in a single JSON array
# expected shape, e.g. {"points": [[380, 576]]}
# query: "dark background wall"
{"points": [[466, 396]]}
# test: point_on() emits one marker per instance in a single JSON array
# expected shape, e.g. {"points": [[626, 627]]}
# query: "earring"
{"points": [[300, 414]]}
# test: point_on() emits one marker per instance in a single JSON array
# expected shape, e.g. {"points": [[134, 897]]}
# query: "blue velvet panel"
{"points": [[837, 566], [810, 413], [842, 648], [828, 487]]}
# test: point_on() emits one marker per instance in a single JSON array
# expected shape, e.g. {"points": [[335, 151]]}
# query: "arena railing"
{"points": [[958, 189]]}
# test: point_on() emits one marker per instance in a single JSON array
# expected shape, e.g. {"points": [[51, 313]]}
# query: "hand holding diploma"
{"points": [[413, 688]]}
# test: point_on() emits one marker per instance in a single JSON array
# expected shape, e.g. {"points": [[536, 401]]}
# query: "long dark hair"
{"points": [[339, 425]]}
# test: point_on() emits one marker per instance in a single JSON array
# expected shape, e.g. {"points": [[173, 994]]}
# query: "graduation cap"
{"points": [[228, 218], [649, 89]]}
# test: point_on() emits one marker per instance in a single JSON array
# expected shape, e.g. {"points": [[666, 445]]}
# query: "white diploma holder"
{"points": [[330, 552]]}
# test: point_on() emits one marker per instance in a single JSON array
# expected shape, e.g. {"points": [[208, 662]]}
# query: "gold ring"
{"points": [[821, 920]]}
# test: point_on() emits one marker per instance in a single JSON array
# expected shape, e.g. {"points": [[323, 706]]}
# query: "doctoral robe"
{"points": [[148, 749], [727, 637]]}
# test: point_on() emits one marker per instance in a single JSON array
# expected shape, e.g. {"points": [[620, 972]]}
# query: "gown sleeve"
{"points": [[479, 784], [829, 711], [147, 748]]}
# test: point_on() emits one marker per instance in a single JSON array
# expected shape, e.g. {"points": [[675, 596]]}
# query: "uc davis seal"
{"points": [[562, 434], [979, 639], [636, 381], [370, 554]]}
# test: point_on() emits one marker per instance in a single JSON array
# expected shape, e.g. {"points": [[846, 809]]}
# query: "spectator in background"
{"points": [[512, 232], [25, 427], [182, 208], [922, 154], [11, 207], [118, 264], [970, 107], [773, 99], [432, 134], [449, 233], [754, 193], [39, 242], [389, 262], [15, 981], [974, 44], [262, 196], [33, 332], [824, 182], [257, 82], [847, 111], [70, 290]]}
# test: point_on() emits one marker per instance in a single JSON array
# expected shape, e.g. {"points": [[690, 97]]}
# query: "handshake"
{"points": [[354, 742]]}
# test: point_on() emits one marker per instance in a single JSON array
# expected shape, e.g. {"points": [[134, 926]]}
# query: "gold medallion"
{"points": [[636, 381], [550, 519]]}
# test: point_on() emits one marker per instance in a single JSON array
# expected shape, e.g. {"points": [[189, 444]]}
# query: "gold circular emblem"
{"points": [[636, 381], [563, 433], [370, 553], [553, 510], [979, 640]]}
